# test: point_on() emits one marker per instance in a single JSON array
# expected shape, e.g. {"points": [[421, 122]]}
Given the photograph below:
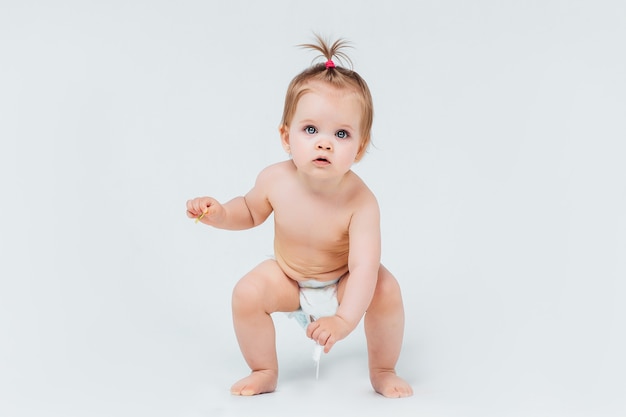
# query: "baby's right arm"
{"points": [[238, 214], [233, 215]]}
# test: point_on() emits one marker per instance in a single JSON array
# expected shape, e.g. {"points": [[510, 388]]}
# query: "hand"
{"points": [[205, 209], [326, 331]]}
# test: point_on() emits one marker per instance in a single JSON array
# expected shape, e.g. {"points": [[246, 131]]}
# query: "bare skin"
{"points": [[326, 225], [384, 327]]}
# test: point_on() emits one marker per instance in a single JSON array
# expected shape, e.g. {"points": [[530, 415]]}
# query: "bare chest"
{"points": [[312, 222], [322, 225]]}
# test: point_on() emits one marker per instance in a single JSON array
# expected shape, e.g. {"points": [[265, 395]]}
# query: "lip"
{"points": [[321, 161]]}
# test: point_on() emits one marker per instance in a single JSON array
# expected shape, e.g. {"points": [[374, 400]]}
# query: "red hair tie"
{"points": [[330, 64]]}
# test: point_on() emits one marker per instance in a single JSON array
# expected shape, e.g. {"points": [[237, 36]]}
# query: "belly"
{"points": [[303, 264]]}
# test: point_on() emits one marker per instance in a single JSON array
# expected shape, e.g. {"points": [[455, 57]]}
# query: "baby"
{"points": [[327, 232]]}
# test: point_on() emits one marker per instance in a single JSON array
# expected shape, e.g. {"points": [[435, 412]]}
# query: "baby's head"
{"points": [[336, 77]]}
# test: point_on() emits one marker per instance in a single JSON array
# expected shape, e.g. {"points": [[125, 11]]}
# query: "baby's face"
{"points": [[324, 137]]}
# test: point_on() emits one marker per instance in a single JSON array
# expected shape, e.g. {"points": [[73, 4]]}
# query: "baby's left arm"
{"points": [[363, 262]]}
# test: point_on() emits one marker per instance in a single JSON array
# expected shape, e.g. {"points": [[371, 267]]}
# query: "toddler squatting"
{"points": [[327, 232]]}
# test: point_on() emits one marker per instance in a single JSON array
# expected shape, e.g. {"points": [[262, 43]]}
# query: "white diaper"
{"points": [[317, 299]]}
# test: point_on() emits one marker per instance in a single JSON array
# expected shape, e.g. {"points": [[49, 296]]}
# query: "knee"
{"points": [[387, 291], [387, 283], [246, 296]]}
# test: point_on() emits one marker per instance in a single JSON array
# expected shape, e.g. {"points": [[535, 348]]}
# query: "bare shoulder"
{"points": [[270, 178], [360, 190], [361, 195], [275, 172]]}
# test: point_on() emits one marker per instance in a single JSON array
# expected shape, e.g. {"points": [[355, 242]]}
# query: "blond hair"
{"points": [[336, 76]]}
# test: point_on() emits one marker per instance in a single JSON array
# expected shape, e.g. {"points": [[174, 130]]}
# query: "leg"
{"points": [[264, 290], [384, 329]]}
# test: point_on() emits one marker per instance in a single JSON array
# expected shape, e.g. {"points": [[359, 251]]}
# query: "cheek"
{"points": [[296, 137], [349, 155], [296, 143], [298, 148]]}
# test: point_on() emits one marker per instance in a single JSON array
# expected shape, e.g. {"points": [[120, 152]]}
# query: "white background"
{"points": [[498, 164]]}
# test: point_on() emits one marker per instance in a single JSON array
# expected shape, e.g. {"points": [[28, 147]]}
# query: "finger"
{"points": [[191, 212], [311, 328], [321, 337], [192, 208], [330, 342], [204, 213]]}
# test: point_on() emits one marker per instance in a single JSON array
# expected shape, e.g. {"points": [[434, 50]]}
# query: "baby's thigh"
{"points": [[387, 287], [268, 287]]}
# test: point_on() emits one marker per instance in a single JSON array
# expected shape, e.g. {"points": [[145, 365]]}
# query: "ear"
{"points": [[283, 130]]}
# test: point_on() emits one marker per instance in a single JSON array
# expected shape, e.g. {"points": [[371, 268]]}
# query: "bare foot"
{"points": [[390, 385], [258, 382]]}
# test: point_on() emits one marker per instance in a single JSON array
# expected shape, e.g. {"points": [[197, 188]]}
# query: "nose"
{"points": [[324, 145]]}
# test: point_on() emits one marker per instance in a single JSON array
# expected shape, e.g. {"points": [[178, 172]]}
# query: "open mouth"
{"points": [[321, 161]]}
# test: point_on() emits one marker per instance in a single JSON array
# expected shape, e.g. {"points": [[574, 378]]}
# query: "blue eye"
{"points": [[310, 130], [342, 134]]}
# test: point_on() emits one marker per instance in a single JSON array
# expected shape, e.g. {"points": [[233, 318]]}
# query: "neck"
{"points": [[323, 187]]}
